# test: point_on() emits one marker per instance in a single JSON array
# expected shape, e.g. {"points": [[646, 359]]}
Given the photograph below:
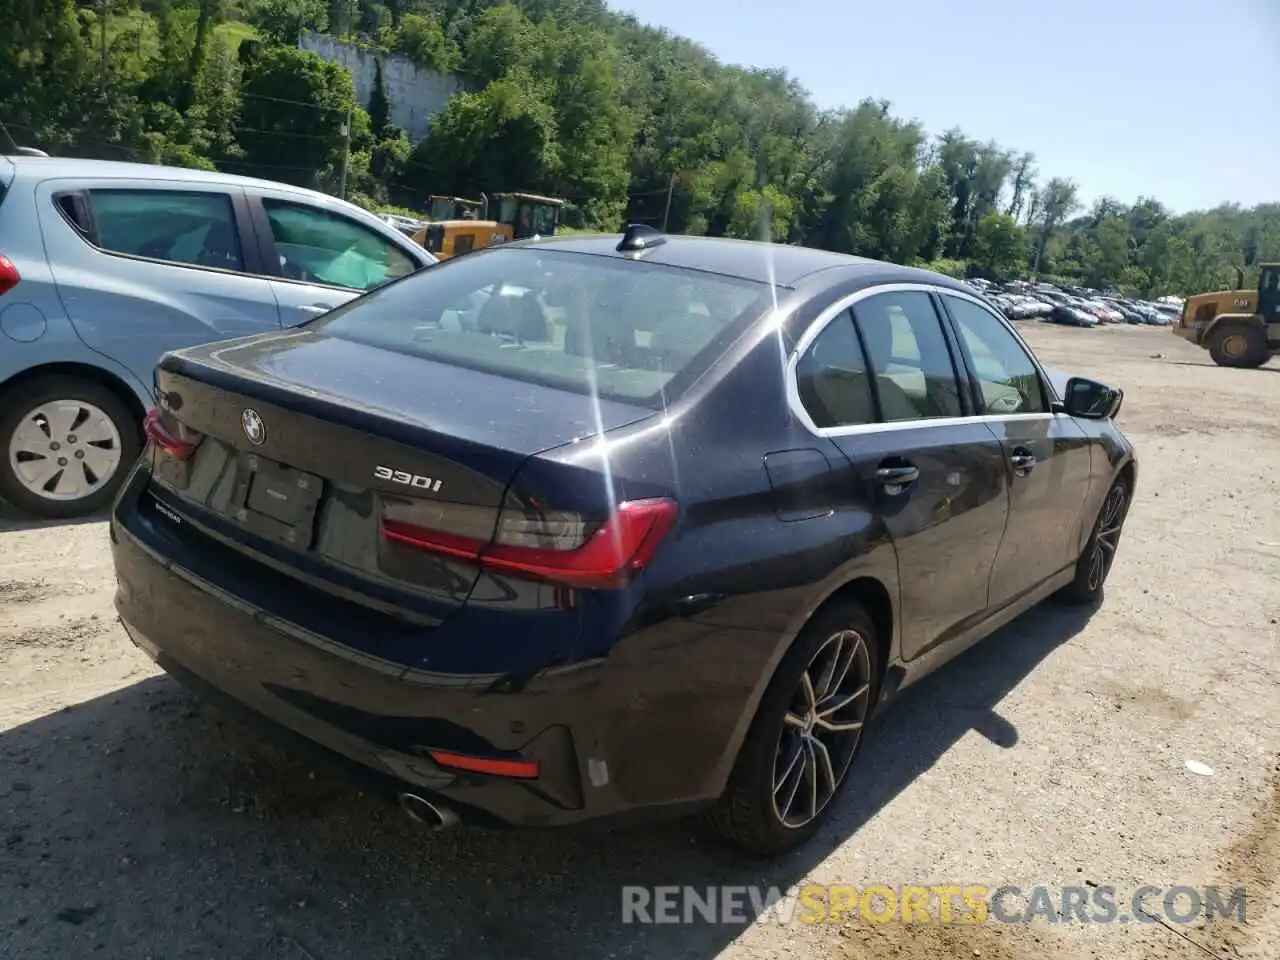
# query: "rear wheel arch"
{"points": [[865, 589], [740, 813], [873, 596], [83, 371]]}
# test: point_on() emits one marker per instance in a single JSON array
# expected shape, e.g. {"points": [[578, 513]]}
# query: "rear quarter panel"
{"points": [[35, 330], [732, 584]]}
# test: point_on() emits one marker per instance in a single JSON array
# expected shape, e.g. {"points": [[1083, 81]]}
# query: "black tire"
{"points": [[1238, 345], [747, 815], [20, 400], [1094, 565]]}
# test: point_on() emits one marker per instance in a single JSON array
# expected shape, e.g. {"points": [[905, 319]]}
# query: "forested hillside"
{"points": [[569, 98]]}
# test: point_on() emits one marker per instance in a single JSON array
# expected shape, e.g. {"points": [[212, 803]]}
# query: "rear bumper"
{"points": [[632, 735]]}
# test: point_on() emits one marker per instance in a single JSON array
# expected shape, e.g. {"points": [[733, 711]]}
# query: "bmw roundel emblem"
{"points": [[254, 428]]}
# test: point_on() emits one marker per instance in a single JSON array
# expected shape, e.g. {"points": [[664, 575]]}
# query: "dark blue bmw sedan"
{"points": [[593, 528]]}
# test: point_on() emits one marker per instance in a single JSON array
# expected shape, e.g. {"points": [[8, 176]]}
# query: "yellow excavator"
{"points": [[1240, 327], [459, 225]]}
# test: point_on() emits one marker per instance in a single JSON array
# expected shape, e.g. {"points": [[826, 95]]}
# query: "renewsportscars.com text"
{"points": [[934, 903]]}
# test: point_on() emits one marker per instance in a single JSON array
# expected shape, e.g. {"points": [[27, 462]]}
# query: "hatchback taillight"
{"points": [[9, 276], [557, 547]]}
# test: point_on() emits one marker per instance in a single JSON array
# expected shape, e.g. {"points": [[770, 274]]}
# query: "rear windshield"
{"points": [[621, 329]]}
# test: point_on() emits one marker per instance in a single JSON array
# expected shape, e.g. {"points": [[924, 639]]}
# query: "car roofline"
{"points": [[545, 246]]}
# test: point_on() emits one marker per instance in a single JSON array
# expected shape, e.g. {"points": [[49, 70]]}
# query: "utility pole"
{"points": [[346, 155], [666, 214], [102, 33]]}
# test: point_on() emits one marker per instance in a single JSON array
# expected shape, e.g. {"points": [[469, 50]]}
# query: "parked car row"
{"points": [[406, 225], [1074, 306]]}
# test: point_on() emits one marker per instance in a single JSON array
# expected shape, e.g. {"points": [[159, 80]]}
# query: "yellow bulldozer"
{"points": [[1240, 327], [459, 226]]}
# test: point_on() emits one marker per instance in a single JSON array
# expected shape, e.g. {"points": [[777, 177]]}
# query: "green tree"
{"points": [[283, 21], [999, 245], [1055, 203], [422, 40], [499, 136], [592, 128], [1107, 258], [379, 104], [502, 42], [570, 97], [295, 104]]}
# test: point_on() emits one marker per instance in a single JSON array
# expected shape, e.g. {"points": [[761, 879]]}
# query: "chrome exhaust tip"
{"points": [[430, 815]]}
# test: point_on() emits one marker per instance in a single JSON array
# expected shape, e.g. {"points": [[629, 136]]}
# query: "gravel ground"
{"points": [[138, 823]]}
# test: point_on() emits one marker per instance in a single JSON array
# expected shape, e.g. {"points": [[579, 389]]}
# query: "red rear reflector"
{"points": [[9, 276], [517, 769], [155, 430], [620, 548]]}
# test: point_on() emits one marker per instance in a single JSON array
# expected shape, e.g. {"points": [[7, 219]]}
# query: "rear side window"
{"points": [[316, 246], [193, 228], [831, 377], [915, 377], [581, 322]]}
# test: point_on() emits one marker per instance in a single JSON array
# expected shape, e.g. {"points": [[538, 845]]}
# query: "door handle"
{"points": [[1023, 461], [316, 307], [894, 478]]}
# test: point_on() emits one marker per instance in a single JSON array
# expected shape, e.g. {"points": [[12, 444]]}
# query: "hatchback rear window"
{"points": [[192, 228], [592, 324]]}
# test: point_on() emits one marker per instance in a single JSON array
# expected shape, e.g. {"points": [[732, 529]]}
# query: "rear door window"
{"points": [[183, 227], [911, 364], [316, 246], [587, 323]]}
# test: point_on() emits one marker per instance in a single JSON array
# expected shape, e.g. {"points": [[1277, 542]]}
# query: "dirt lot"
{"points": [[137, 823]]}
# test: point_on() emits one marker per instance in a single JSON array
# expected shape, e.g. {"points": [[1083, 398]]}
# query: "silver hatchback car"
{"points": [[104, 266]]}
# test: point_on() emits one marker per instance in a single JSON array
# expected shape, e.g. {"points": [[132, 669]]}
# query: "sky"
{"points": [[1176, 99]]}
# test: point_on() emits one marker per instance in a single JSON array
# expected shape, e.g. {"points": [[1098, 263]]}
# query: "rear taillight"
{"points": [[169, 439], [9, 276], [557, 547]]}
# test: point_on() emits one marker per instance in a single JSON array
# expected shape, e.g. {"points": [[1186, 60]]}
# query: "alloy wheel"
{"points": [[65, 450], [1107, 538], [821, 728]]}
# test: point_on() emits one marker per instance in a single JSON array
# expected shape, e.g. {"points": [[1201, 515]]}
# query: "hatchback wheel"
{"points": [[67, 445], [805, 735], [1099, 553]]}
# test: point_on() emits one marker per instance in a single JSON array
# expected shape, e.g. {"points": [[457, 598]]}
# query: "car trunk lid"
{"points": [[302, 452]]}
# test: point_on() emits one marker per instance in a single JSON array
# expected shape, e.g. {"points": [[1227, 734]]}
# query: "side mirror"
{"points": [[1091, 400]]}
